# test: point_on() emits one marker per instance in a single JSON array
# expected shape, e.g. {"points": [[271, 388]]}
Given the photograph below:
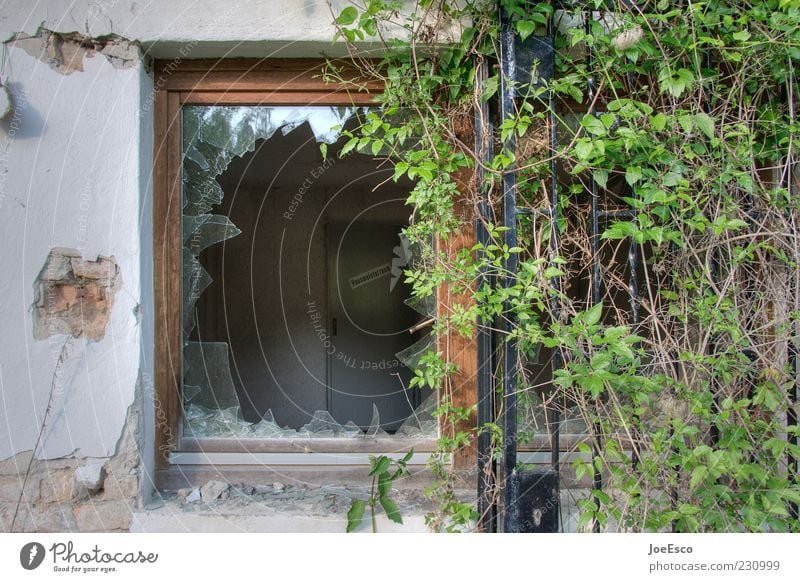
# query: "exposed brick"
{"points": [[51, 518], [120, 487], [103, 516], [45, 518], [6, 515], [77, 299], [11, 485], [57, 486]]}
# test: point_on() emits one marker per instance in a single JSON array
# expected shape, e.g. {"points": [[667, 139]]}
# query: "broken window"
{"points": [[296, 316]]}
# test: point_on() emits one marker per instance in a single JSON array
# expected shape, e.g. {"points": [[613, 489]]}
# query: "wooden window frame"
{"points": [[244, 82]]}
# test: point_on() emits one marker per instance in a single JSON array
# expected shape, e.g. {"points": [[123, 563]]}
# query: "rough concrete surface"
{"points": [[267, 508]]}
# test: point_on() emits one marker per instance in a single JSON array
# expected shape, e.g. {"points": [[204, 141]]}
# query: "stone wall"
{"points": [[72, 494]]}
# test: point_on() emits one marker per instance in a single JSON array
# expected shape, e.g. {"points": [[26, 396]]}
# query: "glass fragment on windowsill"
{"points": [[202, 422]]}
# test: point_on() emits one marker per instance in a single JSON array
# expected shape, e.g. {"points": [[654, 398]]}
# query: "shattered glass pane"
{"points": [[204, 230], [213, 137], [195, 280], [375, 429], [422, 422], [423, 305], [201, 421], [412, 355], [206, 366], [322, 424], [189, 392]]}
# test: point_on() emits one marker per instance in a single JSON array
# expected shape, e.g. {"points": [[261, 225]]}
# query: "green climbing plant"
{"points": [[678, 121], [384, 472]]}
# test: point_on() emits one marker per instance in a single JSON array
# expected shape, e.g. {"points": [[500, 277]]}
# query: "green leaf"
{"points": [[620, 230], [384, 484], [592, 316], [698, 474], [705, 122], [380, 465], [659, 121], [323, 149], [601, 178], [586, 519], [741, 35], [370, 26], [525, 28], [551, 272], [353, 142], [391, 509], [355, 515], [791, 495], [633, 175], [583, 149], [490, 86], [347, 16], [593, 125]]}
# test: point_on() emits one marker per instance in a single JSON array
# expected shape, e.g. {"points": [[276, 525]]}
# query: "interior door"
{"points": [[368, 323]]}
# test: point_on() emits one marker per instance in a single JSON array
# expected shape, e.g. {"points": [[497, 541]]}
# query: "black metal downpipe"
{"points": [[597, 480], [487, 470], [792, 462], [555, 303], [508, 110], [793, 466]]}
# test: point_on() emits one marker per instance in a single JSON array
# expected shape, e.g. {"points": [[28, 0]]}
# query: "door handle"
{"points": [[333, 326]]}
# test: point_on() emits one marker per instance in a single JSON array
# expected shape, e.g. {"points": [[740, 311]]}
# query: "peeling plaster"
{"points": [[74, 296], [65, 52], [73, 492]]}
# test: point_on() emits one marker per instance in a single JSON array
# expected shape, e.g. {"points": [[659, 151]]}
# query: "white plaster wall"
{"points": [[226, 28], [75, 162], [71, 180]]}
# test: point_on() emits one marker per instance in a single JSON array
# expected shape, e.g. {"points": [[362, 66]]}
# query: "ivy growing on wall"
{"points": [[683, 119]]}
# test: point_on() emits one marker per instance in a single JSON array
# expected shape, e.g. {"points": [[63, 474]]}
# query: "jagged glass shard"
{"points": [[201, 190], [189, 392], [412, 355], [236, 129], [206, 366], [204, 230], [375, 429], [327, 122], [204, 422], [351, 430], [193, 154], [195, 280], [422, 422], [268, 429], [217, 159], [322, 424], [423, 305]]}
